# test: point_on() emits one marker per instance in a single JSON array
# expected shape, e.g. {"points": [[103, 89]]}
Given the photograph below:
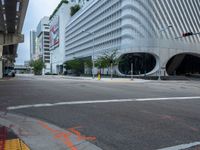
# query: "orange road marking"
{"points": [[44, 125], [65, 136], [81, 137]]}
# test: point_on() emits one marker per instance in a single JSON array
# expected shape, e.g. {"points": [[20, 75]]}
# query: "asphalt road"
{"points": [[135, 125]]}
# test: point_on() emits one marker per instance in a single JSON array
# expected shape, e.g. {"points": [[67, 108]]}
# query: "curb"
{"points": [[6, 79]]}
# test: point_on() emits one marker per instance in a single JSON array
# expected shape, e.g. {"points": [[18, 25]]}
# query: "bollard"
{"points": [[99, 76]]}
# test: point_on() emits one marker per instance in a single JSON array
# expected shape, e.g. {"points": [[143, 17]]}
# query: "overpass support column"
{"points": [[1, 61]]}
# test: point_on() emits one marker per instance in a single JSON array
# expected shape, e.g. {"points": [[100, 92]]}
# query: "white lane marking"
{"points": [[69, 103], [167, 98], [99, 101], [181, 147]]}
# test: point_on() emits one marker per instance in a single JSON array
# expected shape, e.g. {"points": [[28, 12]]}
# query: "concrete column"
{"points": [[1, 61]]}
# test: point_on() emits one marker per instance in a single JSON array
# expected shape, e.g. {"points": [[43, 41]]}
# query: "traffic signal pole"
{"points": [[1, 61], [188, 34], [198, 33]]}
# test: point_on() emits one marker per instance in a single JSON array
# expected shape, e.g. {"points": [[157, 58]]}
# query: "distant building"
{"points": [[42, 42], [32, 44], [23, 69], [27, 63]]}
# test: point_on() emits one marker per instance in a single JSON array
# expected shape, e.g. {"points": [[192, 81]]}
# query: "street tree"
{"points": [[37, 66], [77, 65], [88, 64], [107, 59]]}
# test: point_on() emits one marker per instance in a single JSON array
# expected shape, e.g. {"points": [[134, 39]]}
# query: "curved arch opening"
{"points": [[183, 64], [142, 63]]}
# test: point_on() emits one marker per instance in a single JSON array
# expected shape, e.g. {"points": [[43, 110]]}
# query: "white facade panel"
{"points": [[58, 51]]}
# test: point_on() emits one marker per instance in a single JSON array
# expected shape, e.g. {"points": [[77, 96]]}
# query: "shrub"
{"points": [[75, 9]]}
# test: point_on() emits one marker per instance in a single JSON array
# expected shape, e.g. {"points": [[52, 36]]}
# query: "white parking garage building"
{"points": [[138, 29]]}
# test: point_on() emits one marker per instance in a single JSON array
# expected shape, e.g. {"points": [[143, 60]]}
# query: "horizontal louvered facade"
{"points": [[134, 26]]}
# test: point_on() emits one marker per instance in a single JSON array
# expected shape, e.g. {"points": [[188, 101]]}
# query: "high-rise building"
{"points": [[43, 42], [32, 44], [145, 33]]}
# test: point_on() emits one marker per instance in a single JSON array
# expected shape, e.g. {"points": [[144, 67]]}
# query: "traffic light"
{"points": [[187, 34]]}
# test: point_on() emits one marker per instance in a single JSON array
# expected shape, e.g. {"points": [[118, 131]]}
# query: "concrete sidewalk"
{"points": [[57, 77], [113, 80], [122, 80], [39, 135], [6, 78]]}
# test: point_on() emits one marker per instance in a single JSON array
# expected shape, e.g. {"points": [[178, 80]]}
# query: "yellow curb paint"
{"points": [[15, 144]]}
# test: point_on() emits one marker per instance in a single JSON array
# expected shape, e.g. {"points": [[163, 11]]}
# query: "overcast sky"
{"points": [[37, 9]]}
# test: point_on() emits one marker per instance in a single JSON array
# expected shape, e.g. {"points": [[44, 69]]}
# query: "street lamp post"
{"points": [[131, 70], [111, 70], [51, 54], [93, 65], [162, 30]]}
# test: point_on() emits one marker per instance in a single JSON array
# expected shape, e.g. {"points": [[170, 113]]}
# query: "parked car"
{"points": [[11, 73]]}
